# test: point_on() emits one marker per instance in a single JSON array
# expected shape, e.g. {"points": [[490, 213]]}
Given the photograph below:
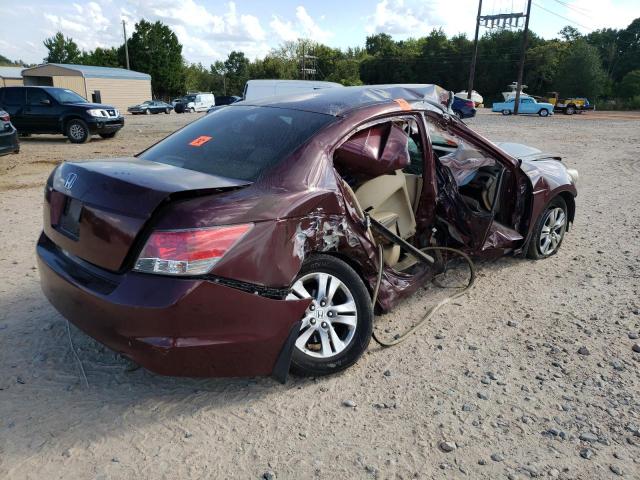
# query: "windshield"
{"points": [[62, 95], [238, 141]]}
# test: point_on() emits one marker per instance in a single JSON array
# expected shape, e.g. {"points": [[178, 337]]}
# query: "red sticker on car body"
{"points": [[201, 140]]}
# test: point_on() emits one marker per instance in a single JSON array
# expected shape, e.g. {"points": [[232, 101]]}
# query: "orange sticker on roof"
{"points": [[201, 140], [404, 105]]}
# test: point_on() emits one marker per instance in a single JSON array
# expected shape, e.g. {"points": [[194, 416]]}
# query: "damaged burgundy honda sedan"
{"points": [[244, 243]]}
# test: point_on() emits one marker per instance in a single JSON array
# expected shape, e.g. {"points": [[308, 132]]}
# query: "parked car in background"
{"points": [[227, 99], [59, 111], [568, 106], [256, 89], [528, 105], [8, 135], [249, 247], [463, 108], [197, 102], [149, 107]]}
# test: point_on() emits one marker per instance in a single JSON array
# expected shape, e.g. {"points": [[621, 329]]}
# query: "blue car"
{"points": [[528, 105], [463, 108]]}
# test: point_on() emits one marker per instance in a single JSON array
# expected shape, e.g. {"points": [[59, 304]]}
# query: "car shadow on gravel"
{"points": [[56, 139]]}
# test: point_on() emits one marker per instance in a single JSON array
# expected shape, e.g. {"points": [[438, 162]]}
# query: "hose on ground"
{"points": [[432, 311]]}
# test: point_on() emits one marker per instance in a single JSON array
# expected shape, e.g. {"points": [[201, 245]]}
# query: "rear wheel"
{"points": [[543, 112], [549, 230], [506, 112], [570, 110], [337, 326], [77, 131], [167, 111]]}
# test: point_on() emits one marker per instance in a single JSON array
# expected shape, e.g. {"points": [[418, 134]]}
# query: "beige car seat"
{"points": [[388, 199]]}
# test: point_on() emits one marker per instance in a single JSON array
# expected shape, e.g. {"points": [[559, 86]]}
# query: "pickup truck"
{"points": [[528, 105]]}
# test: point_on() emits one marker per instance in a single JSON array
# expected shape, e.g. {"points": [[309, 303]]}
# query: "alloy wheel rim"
{"points": [[552, 230], [329, 323], [76, 132]]}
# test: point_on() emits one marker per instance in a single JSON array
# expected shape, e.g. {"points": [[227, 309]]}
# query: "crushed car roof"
{"points": [[338, 101]]}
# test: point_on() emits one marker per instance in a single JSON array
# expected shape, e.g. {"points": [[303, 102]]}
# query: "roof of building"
{"points": [[338, 101], [90, 71], [11, 72]]}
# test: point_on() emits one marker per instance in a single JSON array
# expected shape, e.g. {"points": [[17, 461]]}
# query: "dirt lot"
{"points": [[498, 374]]}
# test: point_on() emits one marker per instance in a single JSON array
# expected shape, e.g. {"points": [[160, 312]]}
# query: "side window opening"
{"points": [[382, 166], [476, 173]]}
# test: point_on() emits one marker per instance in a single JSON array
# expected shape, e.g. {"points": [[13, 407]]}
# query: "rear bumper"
{"points": [[9, 142], [97, 125], [171, 326]]}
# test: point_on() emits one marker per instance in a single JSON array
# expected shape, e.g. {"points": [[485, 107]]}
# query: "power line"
{"points": [[580, 10], [560, 16]]}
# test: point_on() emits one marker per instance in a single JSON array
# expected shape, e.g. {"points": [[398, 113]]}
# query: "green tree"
{"points": [[236, 69], [580, 71], [154, 49], [629, 44], [630, 85], [61, 49], [102, 57]]}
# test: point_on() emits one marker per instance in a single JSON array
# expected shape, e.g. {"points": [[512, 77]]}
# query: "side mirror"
{"points": [[46, 101]]}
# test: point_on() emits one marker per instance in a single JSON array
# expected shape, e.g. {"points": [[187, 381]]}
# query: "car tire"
{"points": [[108, 135], [549, 230], [147, 112], [330, 342], [192, 110], [167, 111], [570, 110], [506, 112], [77, 131], [543, 112]]}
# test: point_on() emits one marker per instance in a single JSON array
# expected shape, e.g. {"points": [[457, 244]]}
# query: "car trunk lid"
{"points": [[97, 210]]}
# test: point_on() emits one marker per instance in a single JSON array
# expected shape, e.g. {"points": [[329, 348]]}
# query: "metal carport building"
{"points": [[10, 76], [113, 86]]}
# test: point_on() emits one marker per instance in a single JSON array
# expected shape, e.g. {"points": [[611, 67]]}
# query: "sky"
{"points": [[210, 29]]}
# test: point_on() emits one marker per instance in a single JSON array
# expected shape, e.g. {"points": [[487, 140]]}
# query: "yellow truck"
{"points": [[568, 106]]}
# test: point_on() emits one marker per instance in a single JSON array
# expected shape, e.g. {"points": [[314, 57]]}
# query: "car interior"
{"points": [[382, 167]]}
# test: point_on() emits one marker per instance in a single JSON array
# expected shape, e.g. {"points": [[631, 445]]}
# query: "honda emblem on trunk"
{"points": [[71, 179]]}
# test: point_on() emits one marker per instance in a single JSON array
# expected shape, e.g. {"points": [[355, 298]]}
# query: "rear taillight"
{"points": [[188, 252], [470, 103]]}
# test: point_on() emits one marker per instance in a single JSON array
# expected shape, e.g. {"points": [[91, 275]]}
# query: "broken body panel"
{"points": [[235, 320]]}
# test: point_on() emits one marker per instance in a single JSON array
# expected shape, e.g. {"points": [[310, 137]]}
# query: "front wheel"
{"points": [[506, 112], [337, 326], [77, 131], [570, 110], [544, 112], [167, 111], [147, 112], [549, 230]]}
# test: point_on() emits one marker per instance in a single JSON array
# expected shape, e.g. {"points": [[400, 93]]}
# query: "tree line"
{"points": [[602, 65]]}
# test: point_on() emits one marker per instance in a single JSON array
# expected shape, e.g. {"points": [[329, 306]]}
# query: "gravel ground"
{"points": [[531, 374]]}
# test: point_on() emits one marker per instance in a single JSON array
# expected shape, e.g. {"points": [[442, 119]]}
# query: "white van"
{"points": [[199, 102], [255, 89]]}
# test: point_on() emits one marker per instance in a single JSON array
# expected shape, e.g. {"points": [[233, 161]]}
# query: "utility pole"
{"points": [[126, 48], [525, 34], [472, 68], [303, 55]]}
